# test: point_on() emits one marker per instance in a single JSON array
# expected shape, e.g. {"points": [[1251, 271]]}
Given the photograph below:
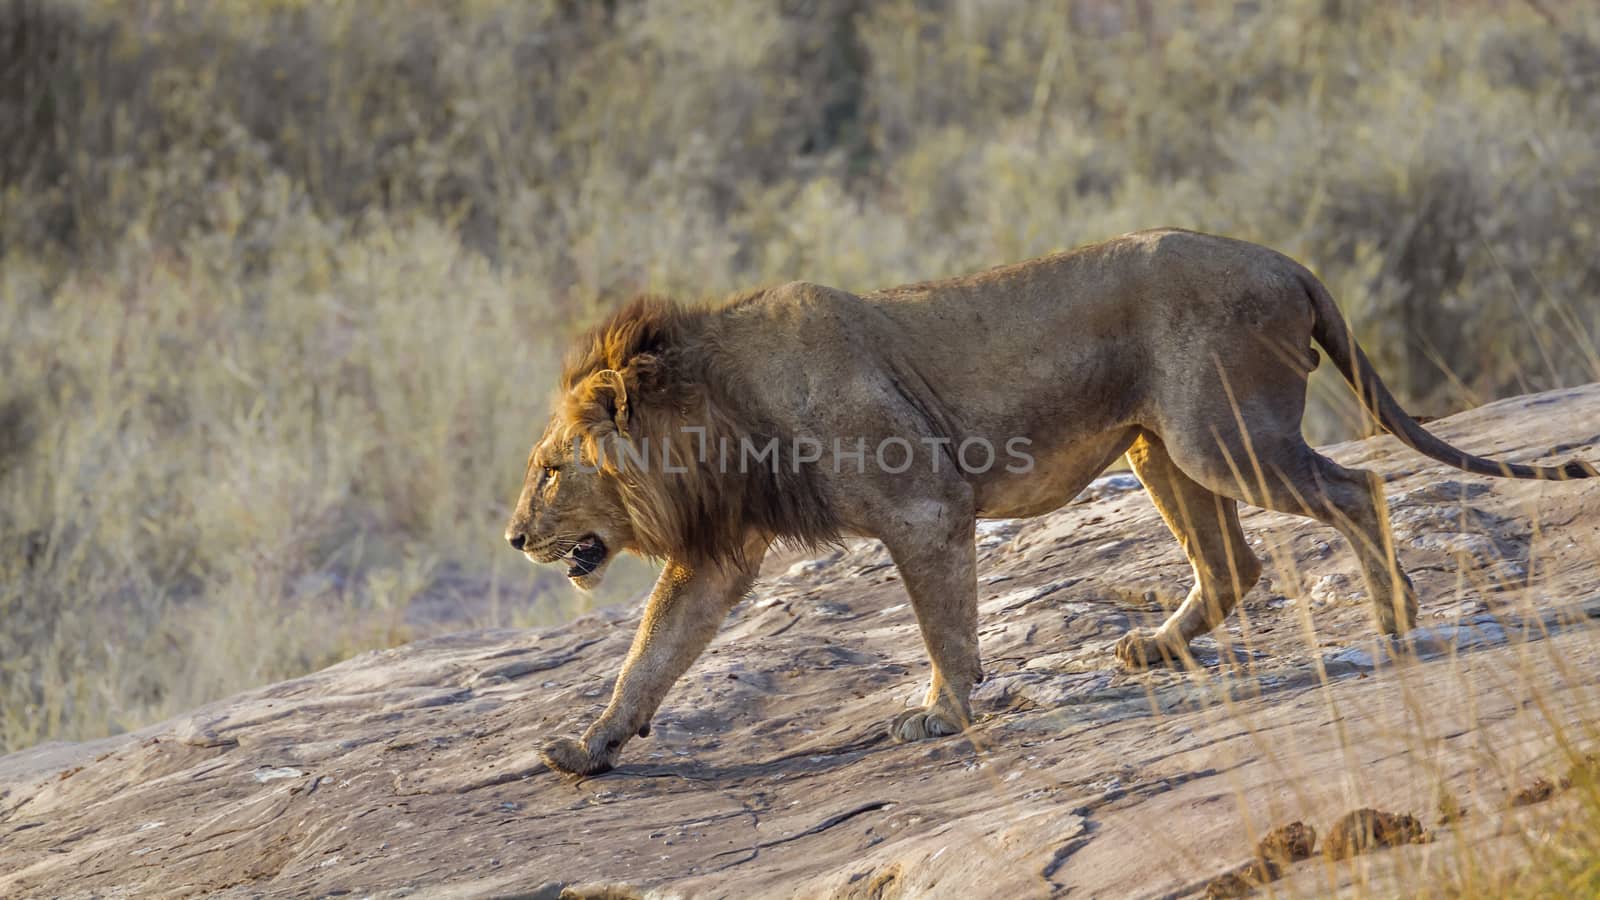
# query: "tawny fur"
{"points": [[1187, 352]]}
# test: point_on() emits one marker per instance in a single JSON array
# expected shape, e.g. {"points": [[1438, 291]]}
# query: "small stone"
{"points": [[1450, 808], [1363, 830], [1276, 850], [1287, 843], [1537, 791], [268, 773], [1335, 589], [196, 732]]}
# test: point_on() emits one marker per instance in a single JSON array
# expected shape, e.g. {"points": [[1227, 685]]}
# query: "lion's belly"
{"points": [[1057, 475]]}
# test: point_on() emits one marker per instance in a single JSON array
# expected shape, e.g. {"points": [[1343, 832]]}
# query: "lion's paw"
{"points": [[1140, 649], [1397, 622], [920, 723], [571, 757]]}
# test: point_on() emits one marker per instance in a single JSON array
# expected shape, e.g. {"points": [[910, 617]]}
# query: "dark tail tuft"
{"points": [[1334, 335]]}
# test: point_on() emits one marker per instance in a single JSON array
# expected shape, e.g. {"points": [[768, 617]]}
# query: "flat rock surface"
{"points": [[413, 771]]}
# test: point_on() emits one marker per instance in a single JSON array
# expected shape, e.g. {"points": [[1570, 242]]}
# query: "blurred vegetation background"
{"points": [[283, 285]]}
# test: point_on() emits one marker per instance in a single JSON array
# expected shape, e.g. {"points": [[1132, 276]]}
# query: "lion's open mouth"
{"points": [[586, 556]]}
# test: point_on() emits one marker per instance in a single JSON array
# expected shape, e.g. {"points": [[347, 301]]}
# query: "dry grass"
{"points": [[282, 284]]}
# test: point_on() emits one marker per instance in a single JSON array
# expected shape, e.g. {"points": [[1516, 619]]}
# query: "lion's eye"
{"points": [[550, 472]]}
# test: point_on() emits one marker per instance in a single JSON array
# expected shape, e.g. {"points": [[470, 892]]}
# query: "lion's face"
{"points": [[568, 511]]}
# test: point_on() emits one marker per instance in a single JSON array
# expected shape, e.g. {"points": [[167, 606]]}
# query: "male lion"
{"points": [[695, 434]]}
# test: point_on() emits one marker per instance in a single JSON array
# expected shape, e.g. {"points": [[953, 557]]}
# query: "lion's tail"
{"points": [[1334, 335]]}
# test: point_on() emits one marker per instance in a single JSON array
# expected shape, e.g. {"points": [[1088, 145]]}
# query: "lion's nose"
{"points": [[517, 540]]}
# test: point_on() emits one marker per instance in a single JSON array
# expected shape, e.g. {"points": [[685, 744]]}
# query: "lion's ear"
{"points": [[608, 401]]}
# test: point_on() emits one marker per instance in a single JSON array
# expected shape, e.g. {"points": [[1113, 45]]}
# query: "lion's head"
{"points": [[633, 459], [569, 510]]}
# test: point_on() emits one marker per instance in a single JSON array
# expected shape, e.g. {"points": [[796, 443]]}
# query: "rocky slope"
{"points": [[413, 771]]}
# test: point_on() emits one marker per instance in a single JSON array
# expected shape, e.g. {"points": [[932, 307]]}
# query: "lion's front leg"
{"points": [[937, 560], [680, 618]]}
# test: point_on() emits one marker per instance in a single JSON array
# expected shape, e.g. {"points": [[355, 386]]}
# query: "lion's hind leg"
{"points": [[1351, 500], [1282, 473], [1207, 526]]}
